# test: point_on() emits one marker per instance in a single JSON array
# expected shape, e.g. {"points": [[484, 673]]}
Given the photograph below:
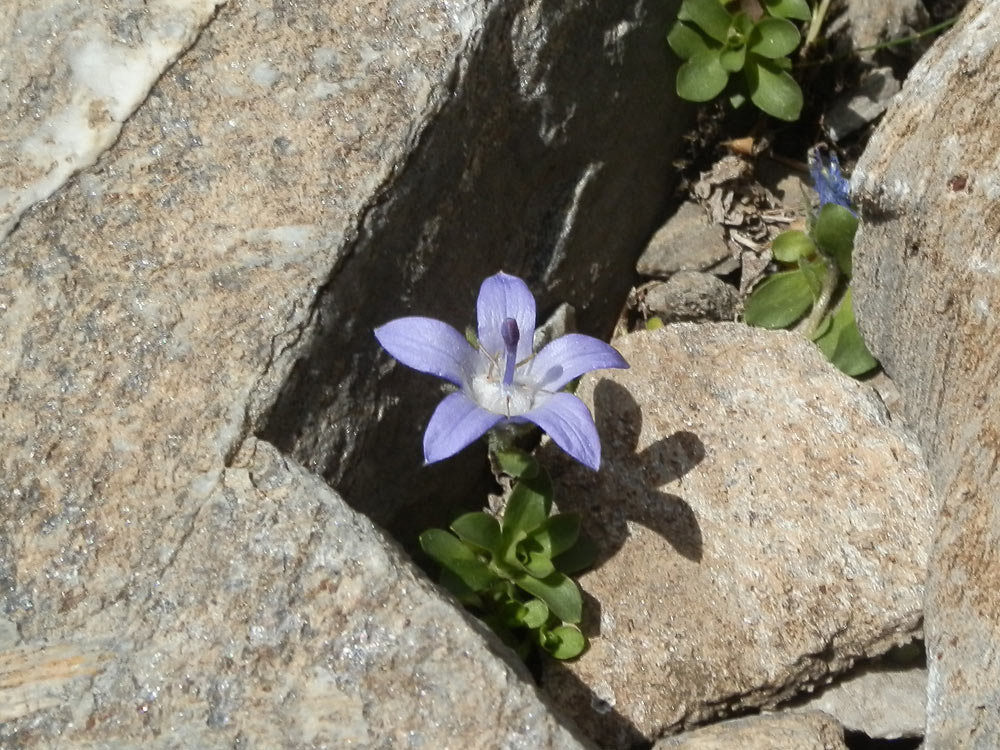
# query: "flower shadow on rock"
{"points": [[627, 487]]}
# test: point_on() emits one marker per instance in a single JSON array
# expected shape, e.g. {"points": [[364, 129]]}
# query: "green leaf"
{"points": [[702, 77], [529, 504], [578, 557], [774, 37], [732, 59], [446, 549], [560, 532], [791, 245], [533, 557], [834, 232], [814, 274], [709, 15], [842, 343], [772, 90], [459, 590], [517, 463], [556, 590], [797, 9], [686, 40], [779, 300], [530, 614], [479, 530], [563, 642]]}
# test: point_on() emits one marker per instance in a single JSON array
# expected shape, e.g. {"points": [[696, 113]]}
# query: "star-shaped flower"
{"points": [[502, 381], [829, 181]]}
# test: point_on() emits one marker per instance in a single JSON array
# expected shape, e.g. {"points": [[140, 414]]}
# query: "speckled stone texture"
{"points": [[813, 731], [312, 632], [927, 293], [761, 523], [305, 171], [72, 73]]}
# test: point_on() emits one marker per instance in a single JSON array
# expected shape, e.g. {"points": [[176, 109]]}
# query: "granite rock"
{"points": [[689, 296], [927, 295], [881, 703], [268, 204], [812, 731], [761, 523], [687, 241], [315, 632]]}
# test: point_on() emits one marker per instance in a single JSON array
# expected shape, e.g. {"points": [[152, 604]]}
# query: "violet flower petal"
{"points": [[429, 346], [456, 422], [500, 297], [569, 357], [568, 422]]}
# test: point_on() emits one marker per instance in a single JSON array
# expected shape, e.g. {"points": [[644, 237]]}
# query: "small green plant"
{"points": [[821, 267], [724, 45], [514, 573]]}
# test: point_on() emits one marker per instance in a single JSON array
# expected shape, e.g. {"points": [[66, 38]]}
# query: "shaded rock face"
{"points": [[761, 524], [927, 293], [154, 306], [519, 170]]}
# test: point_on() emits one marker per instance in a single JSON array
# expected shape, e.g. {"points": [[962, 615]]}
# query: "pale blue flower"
{"points": [[830, 183], [502, 381]]}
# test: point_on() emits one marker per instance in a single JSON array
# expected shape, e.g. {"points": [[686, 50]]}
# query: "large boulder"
{"points": [[927, 291], [762, 525], [305, 171]]}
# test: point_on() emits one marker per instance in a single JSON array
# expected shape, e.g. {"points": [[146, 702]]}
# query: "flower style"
{"points": [[828, 180], [502, 381]]}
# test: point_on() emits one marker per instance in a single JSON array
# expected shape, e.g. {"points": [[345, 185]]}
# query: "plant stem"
{"points": [[822, 304], [818, 16]]}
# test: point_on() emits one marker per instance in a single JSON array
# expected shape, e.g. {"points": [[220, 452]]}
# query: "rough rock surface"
{"points": [[688, 241], [72, 74], [812, 731], [927, 294], [153, 307], [881, 703], [315, 632], [761, 525], [689, 296]]}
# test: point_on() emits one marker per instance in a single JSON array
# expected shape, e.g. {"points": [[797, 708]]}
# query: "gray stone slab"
{"points": [[761, 523], [285, 619], [927, 294], [812, 731]]}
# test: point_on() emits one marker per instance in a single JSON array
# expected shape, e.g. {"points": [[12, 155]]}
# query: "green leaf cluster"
{"points": [[717, 43], [820, 261], [514, 572]]}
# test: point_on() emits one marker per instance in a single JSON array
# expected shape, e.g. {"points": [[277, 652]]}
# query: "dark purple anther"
{"points": [[508, 329]]}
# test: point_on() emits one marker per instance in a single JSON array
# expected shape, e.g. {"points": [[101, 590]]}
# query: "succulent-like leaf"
{"points": [[709, 16], [687, 40], [580, 556], [834, 232], [842, 343], [563, 642], [773, 90], [815, 275], [560, 532], [779, 300], [450, 552], [791, 245], [702, 77], [479, 530], [517, 463], [557, 591], [774, 37], [797, 9], [732, 59]]}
